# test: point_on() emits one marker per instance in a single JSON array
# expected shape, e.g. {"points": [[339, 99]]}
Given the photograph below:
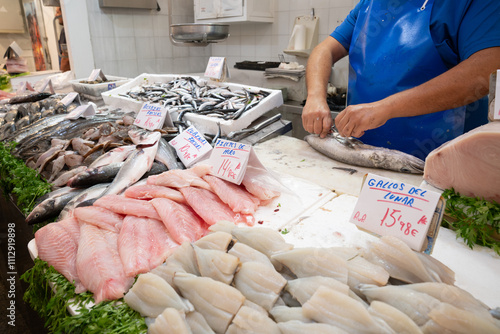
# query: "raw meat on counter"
{"points": [[470, 163]]}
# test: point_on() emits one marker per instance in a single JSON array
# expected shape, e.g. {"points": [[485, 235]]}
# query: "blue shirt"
{"points": [[459, 28]]}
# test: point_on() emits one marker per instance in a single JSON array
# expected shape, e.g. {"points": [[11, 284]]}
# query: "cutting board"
{"points": [[296, 157]]}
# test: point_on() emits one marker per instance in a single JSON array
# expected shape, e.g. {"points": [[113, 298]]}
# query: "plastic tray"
{"points": [[97, 89], [202, 123]]}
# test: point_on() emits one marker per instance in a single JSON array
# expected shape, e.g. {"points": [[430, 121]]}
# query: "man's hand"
{"points": [[316, 117], [354, 120]]}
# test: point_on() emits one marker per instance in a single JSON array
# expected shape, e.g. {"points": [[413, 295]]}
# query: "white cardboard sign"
{"points": [[96, 73], [190, 146], [82, 111], [229, 160], [388, 207], [152, 116], [496, 114], [217, 68], [70, 97]]}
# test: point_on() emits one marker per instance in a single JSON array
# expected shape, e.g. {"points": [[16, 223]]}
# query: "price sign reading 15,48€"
{"points": [[388, 207]]}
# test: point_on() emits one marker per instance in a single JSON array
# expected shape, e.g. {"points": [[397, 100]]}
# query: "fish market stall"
{"points": [[131, 221]]}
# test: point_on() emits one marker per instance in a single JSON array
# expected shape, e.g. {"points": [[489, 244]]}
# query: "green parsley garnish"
{"points": [[475, 220]]}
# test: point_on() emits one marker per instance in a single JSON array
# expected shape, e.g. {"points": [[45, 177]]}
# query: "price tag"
{"points": [[388, 207], [496, 114], [70, 97], [96, 73], [191, 146], [47, 83], [23, 87], [229, 160], [217, 68], [151, 116], [82, 111], [13, 51]]}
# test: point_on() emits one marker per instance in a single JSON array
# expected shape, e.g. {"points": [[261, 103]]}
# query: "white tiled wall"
{"points": [[128, 42]]}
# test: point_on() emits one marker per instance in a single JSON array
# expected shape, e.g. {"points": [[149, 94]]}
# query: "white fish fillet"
{"points": [[149, 191], [215, 240], [237, 197], [477, 153], [303, 288], [335, 308], [397, 320], [246, 254], [181, 260], [99, 217], [216, 301], [151, 294], [179, 178], [198, 324], [259, 283], [216, 264], [98, 264], [128, 206], [248, 320], [310, 261], [171, 321], [143, 244], [283, 313], [298, 327]]}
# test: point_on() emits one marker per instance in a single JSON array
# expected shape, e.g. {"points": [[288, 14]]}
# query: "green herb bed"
{"points": [[25, 185]]}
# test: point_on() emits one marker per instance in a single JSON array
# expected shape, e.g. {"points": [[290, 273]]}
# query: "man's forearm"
{"points": [[461, 85]]}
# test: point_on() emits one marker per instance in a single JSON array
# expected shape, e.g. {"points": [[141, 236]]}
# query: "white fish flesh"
{"points": [[259, 283], [261, 184], [170, 321], [216, 240], [216, 301], [397, 320], [283, 313], [151, 294], [303, 288], [198, 324], [179, 178], [143, 244], [99, 265], [118, 154], [298, 327], [403, 263], [246, 254], [182, 260], [216, 264], [248, 320], [309, 261], [364, 155], [332, 307], [477, 153]]}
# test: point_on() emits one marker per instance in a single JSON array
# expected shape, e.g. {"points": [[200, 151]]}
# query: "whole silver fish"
{"points": [[360, 154], [167, 155], [93, 176], [85, 194], [51, 207]]}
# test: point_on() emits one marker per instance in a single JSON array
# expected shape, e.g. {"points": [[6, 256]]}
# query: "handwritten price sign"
{"points": [[388, 207], [191, 146], [151, 116], [229, 160]]}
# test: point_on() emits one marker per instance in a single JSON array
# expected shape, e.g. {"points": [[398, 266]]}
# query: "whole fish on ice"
{"points": [[360, 154]]}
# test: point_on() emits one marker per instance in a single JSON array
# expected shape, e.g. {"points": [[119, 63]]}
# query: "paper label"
{"points": [[496, 114], [23, 87], [217, 68], [47, 83], [388, 207], [96, 73], [229, 160], [151, 116], [15, 48], [81, 111], [190, 146], [70, 98]]}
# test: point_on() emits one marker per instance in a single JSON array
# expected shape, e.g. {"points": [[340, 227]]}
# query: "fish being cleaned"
{"points": [[363, 155]]}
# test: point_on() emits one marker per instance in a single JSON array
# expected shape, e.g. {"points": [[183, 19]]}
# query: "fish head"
{"points": [[413, 166], [40, 213]]}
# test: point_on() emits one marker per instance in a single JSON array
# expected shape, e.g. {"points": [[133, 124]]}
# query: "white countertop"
{"points": [[327, 223]]}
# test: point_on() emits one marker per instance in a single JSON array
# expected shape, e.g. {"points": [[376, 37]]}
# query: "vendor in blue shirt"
{"points": [[415, 66]]}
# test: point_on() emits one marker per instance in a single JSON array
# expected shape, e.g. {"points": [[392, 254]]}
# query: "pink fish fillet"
{"points": [[99, 265], [99, 217], [127, 206], [470, 163], [258, 190], [149, 191], [57, 244], [238, 199], [210, 208], [181, 221], [179, 178], [143, 244]]}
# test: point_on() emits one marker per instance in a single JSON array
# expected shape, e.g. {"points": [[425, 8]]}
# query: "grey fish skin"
{"points": [[166, 154], [366, 155], [35, 127], [50, 207], [91, 192], [93, 176]]}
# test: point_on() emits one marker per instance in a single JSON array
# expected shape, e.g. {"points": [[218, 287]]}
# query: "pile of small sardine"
{"points": [[14, 117], [185, 95]]}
